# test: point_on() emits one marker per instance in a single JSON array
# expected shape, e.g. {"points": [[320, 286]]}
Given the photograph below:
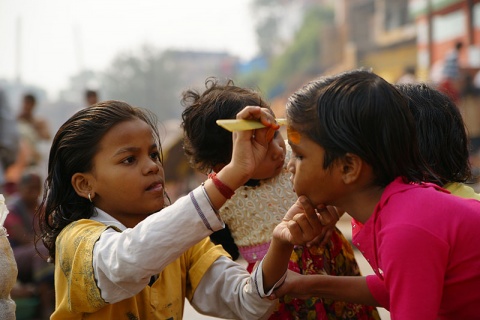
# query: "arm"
{"points": [[300, 225], [340, 288], [155, 242], [228, 291], [41, 126], [116, 255]]}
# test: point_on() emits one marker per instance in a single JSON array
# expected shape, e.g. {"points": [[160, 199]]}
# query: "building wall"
{"points": [[390, 63], [450, 23]]}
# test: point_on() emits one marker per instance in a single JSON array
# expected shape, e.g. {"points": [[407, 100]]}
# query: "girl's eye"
{"points": [[297, 156], [155, 155], [128, 160]]}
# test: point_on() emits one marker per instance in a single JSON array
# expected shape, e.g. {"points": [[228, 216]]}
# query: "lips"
{"points": [[156, 186], [280, 164]]}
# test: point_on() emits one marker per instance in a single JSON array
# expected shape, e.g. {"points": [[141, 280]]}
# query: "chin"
{"points": [[158, 207]]}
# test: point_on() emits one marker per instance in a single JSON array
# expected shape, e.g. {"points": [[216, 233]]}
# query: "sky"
{"points": [[47, 41]]}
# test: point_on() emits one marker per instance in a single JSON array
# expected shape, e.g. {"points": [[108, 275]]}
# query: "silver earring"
{"points": [[89, 197]]}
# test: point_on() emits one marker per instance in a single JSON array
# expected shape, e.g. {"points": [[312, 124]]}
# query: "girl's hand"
{"points": [[301, 224], [250, 147], [329, 216]]}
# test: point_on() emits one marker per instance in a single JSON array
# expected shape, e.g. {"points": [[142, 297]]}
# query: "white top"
{"points": [[171, 232]]}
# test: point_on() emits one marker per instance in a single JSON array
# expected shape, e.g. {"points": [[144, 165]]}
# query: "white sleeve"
{"points": [[228, 291], [123, 262]]}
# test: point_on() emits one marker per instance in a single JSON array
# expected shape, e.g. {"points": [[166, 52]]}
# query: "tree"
{"points": [[145, 80], [269, 15], [300, 59]]}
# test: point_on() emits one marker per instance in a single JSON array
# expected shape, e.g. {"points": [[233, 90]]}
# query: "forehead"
{"points": [[294, 137], [127, 131]]}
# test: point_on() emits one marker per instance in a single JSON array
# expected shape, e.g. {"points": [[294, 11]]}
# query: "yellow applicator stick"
{"points": [[242, 125]]}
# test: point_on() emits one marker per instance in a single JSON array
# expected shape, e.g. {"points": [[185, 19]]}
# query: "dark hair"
{"points": [[73, 149], [90, 93], [442, 135], [360, 113], [30, 98], [205, 143]]}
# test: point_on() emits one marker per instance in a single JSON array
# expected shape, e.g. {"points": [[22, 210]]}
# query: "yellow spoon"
{"points": [[241, 125]]}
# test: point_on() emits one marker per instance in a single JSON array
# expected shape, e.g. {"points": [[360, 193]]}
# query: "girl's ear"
{"points": [[352, 166], [82, 184]]}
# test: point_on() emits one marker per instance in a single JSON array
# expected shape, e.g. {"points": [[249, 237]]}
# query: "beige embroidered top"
{"points": [[253, 212]]}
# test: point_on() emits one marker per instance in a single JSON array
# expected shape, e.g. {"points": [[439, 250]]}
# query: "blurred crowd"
{"points": [[24, 141]]}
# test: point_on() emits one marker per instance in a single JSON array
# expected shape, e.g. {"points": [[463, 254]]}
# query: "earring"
{"points": [[89, 197]]}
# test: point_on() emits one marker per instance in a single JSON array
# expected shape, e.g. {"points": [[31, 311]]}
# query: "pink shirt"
{"points": [[423, 246]]}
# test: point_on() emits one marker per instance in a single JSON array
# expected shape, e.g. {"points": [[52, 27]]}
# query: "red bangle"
{"points": [[223, 188]]}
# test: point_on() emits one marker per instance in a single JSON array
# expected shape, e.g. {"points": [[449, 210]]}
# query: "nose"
{"points": [[152, 166], [277, 152]]}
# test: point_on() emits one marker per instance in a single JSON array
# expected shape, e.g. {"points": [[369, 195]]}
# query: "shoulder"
{"points": [[84, 230], [462, 190]]}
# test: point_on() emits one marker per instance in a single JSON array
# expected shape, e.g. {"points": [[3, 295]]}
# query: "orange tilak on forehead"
{"points": [[293, 135]]}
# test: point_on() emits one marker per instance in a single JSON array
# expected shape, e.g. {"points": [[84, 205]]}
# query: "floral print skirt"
{"points": [[336, 258]]}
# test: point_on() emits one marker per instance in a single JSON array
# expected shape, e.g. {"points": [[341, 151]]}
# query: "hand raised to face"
{"points": [[301, 224]]}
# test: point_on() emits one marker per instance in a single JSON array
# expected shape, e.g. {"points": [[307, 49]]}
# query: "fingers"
{"points": [[257, 113], [294, 209], [265, 116], [303, 222], [316, 241], [328, 215], [326, 237], [310, 213], [301, 229]]}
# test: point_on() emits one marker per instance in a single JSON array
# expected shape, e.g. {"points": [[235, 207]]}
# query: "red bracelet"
{"points": [[223, 188]]}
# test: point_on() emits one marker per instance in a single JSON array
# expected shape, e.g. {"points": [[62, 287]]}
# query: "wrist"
{"points": [[224, 189], [231, 177], [281, 243]]}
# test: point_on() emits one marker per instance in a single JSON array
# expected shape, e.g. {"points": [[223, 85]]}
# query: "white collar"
{"points": [[103, 217]]}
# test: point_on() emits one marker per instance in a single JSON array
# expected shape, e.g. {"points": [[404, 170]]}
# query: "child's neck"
{"points": [[362, 205], [252, 183]]}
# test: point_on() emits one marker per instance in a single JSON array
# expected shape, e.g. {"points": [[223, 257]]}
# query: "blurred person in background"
{"points": [[451, 79], [9, 138], [33, 131], [91, 97], [35, 275]]}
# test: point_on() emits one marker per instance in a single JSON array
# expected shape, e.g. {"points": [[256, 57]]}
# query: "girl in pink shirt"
{"points": [[355, 147]]}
